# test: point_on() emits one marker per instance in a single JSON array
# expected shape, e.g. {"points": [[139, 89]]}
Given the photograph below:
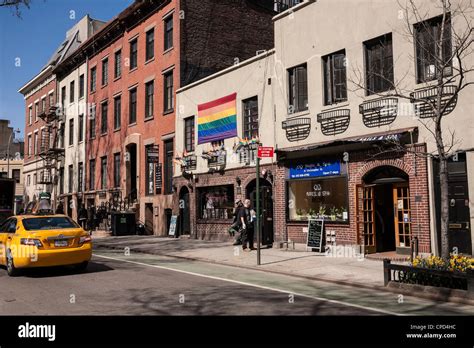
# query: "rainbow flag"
{"points": [[217, 120]]}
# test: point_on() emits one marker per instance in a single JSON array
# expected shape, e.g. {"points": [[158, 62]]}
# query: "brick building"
{"points": [[353, 158], [135, 63], [44, 147]]}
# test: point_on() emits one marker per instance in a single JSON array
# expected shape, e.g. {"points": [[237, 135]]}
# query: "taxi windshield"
{"points": [[48, 223]]}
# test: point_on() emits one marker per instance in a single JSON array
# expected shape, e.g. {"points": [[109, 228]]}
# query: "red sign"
{"points": [[265, 152]]}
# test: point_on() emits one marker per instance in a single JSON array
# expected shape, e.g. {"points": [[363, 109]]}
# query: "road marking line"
{"points": [[255, 285]]}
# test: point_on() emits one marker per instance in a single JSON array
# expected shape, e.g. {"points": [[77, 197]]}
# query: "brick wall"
{"points": [[216, 32]]}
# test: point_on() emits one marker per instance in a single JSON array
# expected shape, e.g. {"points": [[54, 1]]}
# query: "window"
{"points": [[322, 198], [168, 167], [71, 132], [63, 100], [150, 43], [150, 173], [34, 179], [92, 175], [379, 64], [103, 113], [36, 111], [28, 180], [29, 145], [117, 170], [250, 126], [103, 173], [49, 223], [335, 84], [80, 136], [118, 64], [80, 177], [16, 173], [168, 32], [298, 89], [117, 112], [149, 99], [43, 104], [70, 177], [92, 125], [133, 106], [61, 135], [133, 54], [51, 100], [61, 180], [168, 92], [81, 86], [105, 71], [35, 144], [30, 115], [71, 92], [427, 38], [189, 134], [216, 202], [93, 79]]}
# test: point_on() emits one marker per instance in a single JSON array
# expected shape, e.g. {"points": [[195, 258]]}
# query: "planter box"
{"points": [[427, 277]]}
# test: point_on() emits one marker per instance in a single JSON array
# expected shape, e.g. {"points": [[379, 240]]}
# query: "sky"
{"points": [[33, 39]]}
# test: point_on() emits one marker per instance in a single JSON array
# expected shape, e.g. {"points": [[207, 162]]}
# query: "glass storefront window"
{"points": [[318, 198], [216, 202]]}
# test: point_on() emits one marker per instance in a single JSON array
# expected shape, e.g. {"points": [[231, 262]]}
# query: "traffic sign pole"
{"points": [[258, 211]]}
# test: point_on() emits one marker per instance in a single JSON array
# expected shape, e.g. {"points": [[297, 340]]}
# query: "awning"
{"points": [[358, 142]]}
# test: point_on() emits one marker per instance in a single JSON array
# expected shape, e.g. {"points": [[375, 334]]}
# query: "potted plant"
{"points": [[322, 211], [311, 213], [333, 213], [299, 213]]}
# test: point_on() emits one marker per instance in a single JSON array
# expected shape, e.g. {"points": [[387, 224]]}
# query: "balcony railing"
{"points": [[50, 114], [215, 159], [297, 128], [335, 121], [189, 163], [379, 112], [424, 97], [283, 5]]}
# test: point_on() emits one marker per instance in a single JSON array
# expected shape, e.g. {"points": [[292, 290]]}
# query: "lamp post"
{"points": [[8, 150]]}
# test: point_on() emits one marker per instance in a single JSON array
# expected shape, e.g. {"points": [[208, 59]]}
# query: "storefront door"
{"points": [[366, 217], [266, 206], [401, 202]]}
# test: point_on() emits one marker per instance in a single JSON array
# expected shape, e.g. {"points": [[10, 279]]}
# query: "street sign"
{"points": [[264, 152]]}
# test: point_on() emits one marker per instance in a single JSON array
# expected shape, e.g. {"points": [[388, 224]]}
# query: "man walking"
{"points": [[245, 217]]}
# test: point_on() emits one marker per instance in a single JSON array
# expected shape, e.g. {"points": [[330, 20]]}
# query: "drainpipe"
{"points": [[414, 240]]}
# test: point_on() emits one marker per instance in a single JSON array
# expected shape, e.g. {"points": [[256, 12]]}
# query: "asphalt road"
{"points": [[117, 284], [112, 287]]}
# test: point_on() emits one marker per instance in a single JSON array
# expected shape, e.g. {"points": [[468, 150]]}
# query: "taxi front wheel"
{"points": [[12, 271]]}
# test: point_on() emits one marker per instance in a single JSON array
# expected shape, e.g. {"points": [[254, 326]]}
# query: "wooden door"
{"points": [[402, 214], [365, 217]]}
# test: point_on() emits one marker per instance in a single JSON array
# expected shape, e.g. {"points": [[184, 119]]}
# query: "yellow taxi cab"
{"points": [[28, 241]]}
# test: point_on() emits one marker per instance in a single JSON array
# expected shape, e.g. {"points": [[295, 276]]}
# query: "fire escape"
{"points": [[50, 151]]}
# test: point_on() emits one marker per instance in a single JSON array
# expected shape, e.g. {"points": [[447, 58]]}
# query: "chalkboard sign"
{"points": [[315, 235], [174, 220]]}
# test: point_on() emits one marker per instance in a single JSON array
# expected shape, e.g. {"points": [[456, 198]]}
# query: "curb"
{"points": [[391, 289]]}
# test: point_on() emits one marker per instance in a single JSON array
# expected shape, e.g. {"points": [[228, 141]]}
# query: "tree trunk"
{"points": [[443, 176]]}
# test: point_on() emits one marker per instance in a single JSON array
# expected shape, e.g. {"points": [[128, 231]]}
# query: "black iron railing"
{"points": [[283, 5], [189, 163], [424, 99], [297, 128], [430, 277], [335, 121], [379, 112], [216, 158]]}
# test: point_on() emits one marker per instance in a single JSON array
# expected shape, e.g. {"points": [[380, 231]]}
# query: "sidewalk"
{"points": [[298, 262]]}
